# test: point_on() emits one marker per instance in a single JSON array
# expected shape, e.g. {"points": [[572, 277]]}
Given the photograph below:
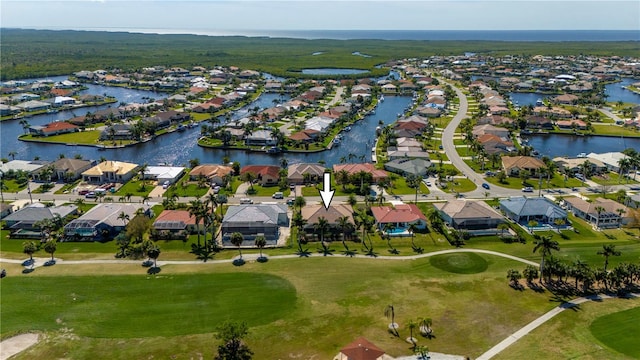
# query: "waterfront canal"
{"points": [[179, 147], [553, 145]]}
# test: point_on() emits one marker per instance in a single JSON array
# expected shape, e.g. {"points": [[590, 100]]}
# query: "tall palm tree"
{"points": [[195, 210], [390, 313], [412, 230], [425, 326], [412, 325], [299, 202], [607, 251], [545, 244], [3, 187], [321, 226], [260, 243]]}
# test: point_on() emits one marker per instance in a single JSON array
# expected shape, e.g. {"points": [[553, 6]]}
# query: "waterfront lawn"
{"points": [[198, 117], [89, 137], [606, 129], [134, 187]]}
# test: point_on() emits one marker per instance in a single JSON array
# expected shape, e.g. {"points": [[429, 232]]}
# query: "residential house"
{"points": [[103, 221], [252, 220], [304, 136], [318, 123], [512, 165], [311, 213], [575, 165], [399, 218], [539, 209], [480, 130], [260, 138], [472, 216], [5, 209], [610, 159], [213, 173], [567, 99], [496, 145], [164, 174], [362, 349], [539, 122], [603, 213], [54, 128], [404, 167], [173, 221], [22, 165], [571, 124], [353, 169], [117, 132], [110, 171], [63, 100], [34, 105], [429, 111], [296, 173], [25, 222], [266, 175], [68, 169]]}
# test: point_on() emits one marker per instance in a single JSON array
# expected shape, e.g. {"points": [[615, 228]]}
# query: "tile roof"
{"points": [[117, 167], [362, 349], [270, 170], [401, 213], [466, 209], [312, 213]]}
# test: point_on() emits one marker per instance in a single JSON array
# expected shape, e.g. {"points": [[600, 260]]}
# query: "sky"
{"points": [[211, 17]]}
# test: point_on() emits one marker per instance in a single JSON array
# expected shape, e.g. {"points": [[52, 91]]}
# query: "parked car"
{"points": [[527, 189], [246, 201], [290, 201], [486, 186], [428, 183], [83, 192], [278, 195], [90, 195]]}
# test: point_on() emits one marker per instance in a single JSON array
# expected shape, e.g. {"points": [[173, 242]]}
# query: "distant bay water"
{"points": [[460, 35]]}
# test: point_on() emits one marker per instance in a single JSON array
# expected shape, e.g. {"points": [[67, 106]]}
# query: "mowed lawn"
{"points": [[303, 307], [595, 330], [139, 306]]}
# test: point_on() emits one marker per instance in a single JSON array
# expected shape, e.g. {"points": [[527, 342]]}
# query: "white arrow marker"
{"points": [[326, 193]]}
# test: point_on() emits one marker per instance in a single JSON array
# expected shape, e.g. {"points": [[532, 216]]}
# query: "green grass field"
{"points": [[569, 335], [463, 263], [310, 312], [619, 331]]}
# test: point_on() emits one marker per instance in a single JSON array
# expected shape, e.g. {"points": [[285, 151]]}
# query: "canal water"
{"points": [[179, 147], [553, 145]]}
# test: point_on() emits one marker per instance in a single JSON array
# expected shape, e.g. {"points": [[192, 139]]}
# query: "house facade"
{"points": [[471, 216], [601, 213], [524, 210], [252, 220], [110, 171], [102, 222]]}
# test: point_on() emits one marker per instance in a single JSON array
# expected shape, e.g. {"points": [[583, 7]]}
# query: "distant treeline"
{"points": [[36, 53]]}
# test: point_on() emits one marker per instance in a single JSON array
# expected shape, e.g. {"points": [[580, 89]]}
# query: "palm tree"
{"points": [[237, 239], [249, 177], [260, 243], [608, 250], [321, 226], [153, 252], [390, 313], [425, 327], [142, 171], [502, 227], [3, 187], [545, 244], [412, 230], [13, 154], [299, 202], [124, 217], [195, 210], [599, 210], [411, 325]]}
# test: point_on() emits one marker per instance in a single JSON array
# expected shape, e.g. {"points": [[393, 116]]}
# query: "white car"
{"points": [[428, 183], [527, 189]]}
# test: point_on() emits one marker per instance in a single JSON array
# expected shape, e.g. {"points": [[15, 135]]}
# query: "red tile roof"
{"points": [[402, 213], [58, 126], [177, 215], [362, 349], [269, 170]]}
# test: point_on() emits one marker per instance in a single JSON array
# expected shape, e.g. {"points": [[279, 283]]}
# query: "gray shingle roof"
{"points": [[259, 213], [523, 206]]}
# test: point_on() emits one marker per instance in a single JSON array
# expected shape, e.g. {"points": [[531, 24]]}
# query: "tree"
{"points": [[530, 273], [502, 227], [237, 239], [196, 210], [51, 247], [233, 347], [413, 181], [29, 248], [260, 243], [299, 202], [138, 227], [124, 217], [153, 251], [249, 177], [607, 251], [411, 325], [513, 276], [545, 244], [599, 210], [424, 324], [321, 226], [390, 313]]}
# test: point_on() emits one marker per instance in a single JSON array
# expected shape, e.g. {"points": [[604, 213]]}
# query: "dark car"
{"points": [[486, 186]]}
